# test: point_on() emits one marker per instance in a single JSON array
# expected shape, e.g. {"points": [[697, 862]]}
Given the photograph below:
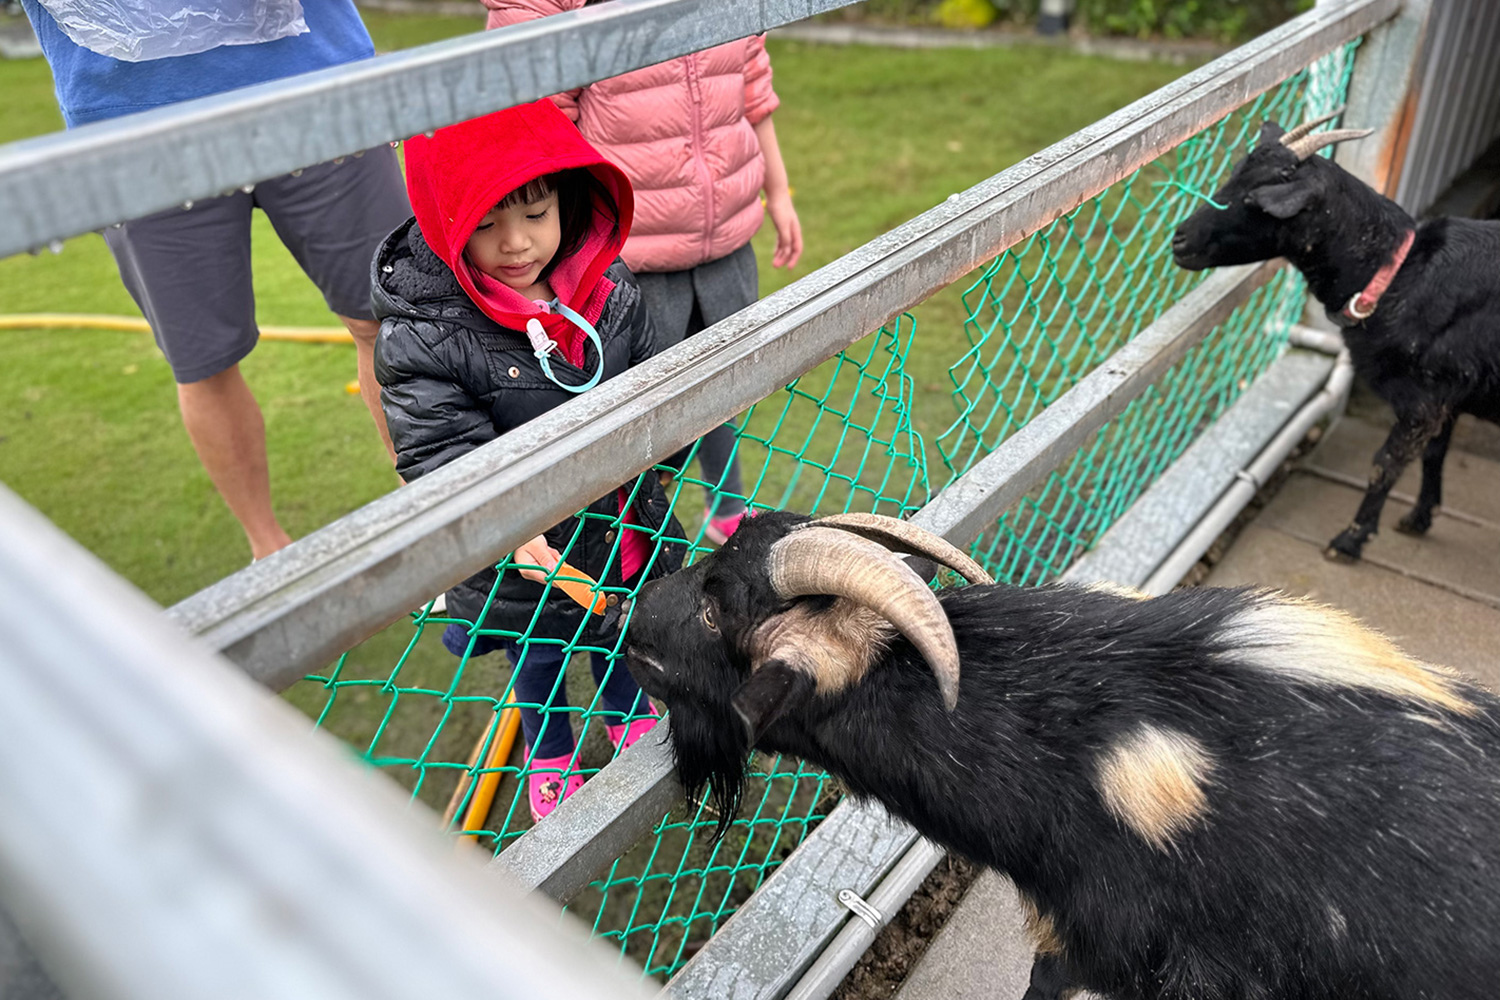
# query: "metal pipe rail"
{"points": [[170, 830], [107, 172], [299, 608]]}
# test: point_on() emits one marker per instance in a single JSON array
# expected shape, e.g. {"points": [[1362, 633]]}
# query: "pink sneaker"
{"points": [[627, 734], [720, 528], [546, 785]]}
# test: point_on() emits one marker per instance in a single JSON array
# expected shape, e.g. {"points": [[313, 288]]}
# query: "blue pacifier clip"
{"points": [[543, 345]]}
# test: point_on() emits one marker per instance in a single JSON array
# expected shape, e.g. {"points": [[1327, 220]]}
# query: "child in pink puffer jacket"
{"points": [[694, 135]]}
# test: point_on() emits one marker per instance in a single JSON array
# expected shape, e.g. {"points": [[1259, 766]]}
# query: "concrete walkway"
{"points": [[1438, 597], [17, 41]]}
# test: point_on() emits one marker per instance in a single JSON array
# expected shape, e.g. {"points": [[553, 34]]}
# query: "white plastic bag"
{"points": [[138, 30]]}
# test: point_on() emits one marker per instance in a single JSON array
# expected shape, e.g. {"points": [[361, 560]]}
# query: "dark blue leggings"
{"points": [[535, 683]]}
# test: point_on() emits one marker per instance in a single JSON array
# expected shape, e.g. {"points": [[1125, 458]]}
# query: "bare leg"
{"points": [[1407, 439], [1419, 518], [364, 332], [228, 432]]}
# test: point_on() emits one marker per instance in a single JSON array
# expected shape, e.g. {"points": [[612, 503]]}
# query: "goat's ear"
{"points": [[773, 688], [1282, 201], [922, 566], [1270, 134]]}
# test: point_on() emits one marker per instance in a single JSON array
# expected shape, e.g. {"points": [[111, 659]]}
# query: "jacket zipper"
{"points": [[699, 157]]}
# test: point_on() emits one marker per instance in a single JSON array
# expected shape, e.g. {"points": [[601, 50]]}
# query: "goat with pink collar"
{"points": [[1419, 305]]}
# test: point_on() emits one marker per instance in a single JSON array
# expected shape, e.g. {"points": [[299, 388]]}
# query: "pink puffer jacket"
{"points": [[683, 133]]}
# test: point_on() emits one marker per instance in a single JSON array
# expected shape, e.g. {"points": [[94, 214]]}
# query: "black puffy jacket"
{"points": [[453, 379]]}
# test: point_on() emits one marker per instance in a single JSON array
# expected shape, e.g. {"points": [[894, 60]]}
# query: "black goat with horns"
{"points": [[1215, 794], [1419, 306]]}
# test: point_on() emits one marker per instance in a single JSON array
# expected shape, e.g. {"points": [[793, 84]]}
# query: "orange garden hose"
{"points": [[484, 795], [581, 588], [135, 324]]}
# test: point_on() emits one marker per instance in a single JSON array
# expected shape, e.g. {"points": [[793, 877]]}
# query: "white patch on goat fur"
{"points": [[1040, 928], [1338, 926], [1152, 780], [1117, 590], [836, 646], [1315, 644]]}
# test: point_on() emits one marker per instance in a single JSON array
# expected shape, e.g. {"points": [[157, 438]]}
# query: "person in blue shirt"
{"points": [[188, 268]]}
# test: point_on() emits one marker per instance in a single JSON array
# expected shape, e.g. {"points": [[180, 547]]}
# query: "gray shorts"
{"points": [[189, 269]]}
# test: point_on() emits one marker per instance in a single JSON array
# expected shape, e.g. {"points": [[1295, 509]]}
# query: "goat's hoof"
{"points": [[1415, 523], [1343, 550]]}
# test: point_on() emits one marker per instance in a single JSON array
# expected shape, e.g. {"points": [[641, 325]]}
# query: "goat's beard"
{"points": [[713, 753]]}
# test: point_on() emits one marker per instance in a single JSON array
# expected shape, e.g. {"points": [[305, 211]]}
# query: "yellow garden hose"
{"points": [[504, 731], [134, 324]]}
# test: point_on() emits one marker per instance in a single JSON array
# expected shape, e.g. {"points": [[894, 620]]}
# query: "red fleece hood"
{"points": [[456, 175]]}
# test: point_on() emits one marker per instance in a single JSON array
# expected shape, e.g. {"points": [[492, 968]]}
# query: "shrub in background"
{"points": [[966, 13], [1225, 21], [1219, 20]]}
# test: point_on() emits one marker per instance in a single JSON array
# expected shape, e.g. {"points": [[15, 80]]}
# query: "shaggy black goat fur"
{"points": [[1432, 347], [1344, 841]]}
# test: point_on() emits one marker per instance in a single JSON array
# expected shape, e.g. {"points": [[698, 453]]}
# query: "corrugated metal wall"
{"points": [[1458, 104]]}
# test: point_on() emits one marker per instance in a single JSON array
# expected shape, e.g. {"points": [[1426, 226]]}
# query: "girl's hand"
{"points": [[536, 553], [788, 229]]}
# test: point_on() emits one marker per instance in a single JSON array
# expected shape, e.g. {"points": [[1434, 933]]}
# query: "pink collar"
{"points": [[1361, 304]]}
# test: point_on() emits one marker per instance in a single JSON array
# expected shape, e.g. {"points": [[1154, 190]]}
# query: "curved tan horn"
{"points": [[818, 560], [903, 536], [1307, 126], [1310, 144]]}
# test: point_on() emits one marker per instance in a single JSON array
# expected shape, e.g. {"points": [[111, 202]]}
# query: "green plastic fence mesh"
{"points": [[844, 437]]}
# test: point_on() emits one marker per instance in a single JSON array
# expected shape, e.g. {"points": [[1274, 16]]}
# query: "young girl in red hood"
{"points": [[503, 298]]}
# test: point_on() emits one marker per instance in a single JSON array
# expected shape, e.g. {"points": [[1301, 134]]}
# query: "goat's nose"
{"points": [[1179, 240]]}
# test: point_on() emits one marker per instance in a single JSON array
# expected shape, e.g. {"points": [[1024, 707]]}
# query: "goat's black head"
{"points": [[789, 610], [1266, 200]]}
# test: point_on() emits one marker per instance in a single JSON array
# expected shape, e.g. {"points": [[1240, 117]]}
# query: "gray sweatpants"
{"points": [[683, 303]]}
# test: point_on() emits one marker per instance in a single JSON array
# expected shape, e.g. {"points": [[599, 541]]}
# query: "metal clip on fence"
{"points": [[862, 909]]}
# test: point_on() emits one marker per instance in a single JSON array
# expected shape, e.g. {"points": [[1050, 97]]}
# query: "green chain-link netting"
{"points": [[844, 437]]}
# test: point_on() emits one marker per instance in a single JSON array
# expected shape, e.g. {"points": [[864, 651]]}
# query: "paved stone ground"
{"points": [[16, 38], [1437, 596]]}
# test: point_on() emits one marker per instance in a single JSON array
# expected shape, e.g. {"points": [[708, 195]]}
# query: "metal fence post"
{"points": [[1383, 96]]}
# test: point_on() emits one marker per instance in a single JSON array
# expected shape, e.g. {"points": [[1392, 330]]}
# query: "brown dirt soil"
{"points": [[903, 942]]}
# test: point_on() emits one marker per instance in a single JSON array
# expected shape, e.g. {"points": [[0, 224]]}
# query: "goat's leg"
{"points": [[1419, 518], [1049, 979], [1405, 442]]}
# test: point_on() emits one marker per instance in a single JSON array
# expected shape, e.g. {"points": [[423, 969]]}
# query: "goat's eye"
{"points": [[708, 618]]}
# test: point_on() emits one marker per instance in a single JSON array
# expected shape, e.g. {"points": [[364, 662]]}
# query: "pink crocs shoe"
{"points": [[720, 528], [629, 733], [546, 785]]}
